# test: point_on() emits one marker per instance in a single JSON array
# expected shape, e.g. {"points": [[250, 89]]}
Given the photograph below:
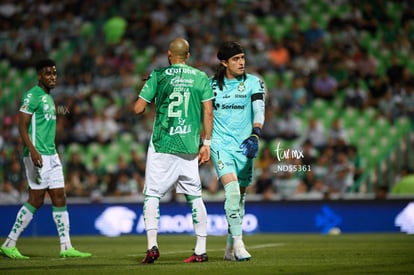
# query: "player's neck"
{"points": [[44, 88], [177, 60]]}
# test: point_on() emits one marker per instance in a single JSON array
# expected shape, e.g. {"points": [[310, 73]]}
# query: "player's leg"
{"points": [[229, 251], [151, 213], [23, 218], [189, 184], [59, 209], [244, 167], [234, 245], [199, 214], [61, 218], [230, 241], [226, 170], [235, 249], [232, 209], [160, 175], [37, 191]]}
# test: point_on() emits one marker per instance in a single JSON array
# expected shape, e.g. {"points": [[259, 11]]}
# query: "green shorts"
{"points": [[227, 162]]}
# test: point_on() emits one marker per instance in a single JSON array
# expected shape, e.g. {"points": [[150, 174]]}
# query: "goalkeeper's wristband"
{"points": [[256, 131]]}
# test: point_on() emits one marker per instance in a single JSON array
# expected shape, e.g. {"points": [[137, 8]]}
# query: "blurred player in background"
{"points": [[37, 128], [180, 92], [238, 110]]}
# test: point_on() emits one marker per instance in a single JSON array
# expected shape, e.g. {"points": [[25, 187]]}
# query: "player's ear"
{"points": [[224, 63]]}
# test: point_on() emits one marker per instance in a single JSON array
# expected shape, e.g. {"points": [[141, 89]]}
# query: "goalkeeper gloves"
{"points": [[250, 145]]}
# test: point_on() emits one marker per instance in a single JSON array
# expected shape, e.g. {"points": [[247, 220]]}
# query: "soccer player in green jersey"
{"points": [[181, 93], [238, 110], [37, 127]]}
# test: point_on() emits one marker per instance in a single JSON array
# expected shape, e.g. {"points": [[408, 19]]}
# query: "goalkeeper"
{"points": [[238, 110]]}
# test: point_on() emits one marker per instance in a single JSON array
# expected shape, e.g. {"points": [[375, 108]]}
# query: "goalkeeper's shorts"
{"points": [[227, 162]]}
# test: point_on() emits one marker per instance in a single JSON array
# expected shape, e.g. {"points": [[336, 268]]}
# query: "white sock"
{"points": [[200, 225], [23, 218], [229, 241], [61, 218], [237, 238], [151, 218]]}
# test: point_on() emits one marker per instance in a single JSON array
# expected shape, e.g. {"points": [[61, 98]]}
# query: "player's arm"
{"points": [[146, 94], [24, 122], [204, 153], [139, 106], [258, 106], [250, 145]]}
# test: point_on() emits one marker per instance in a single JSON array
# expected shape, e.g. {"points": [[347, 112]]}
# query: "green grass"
{"points": [[271, 254]]}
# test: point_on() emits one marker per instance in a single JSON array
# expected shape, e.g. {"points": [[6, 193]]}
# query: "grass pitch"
{"points": [[271, 254]]}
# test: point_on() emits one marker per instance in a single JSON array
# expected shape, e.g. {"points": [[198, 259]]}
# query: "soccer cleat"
{"points": [[240, 253], [229, 255], [197, 258], [73, 253], [151, 255], [12, 253]]}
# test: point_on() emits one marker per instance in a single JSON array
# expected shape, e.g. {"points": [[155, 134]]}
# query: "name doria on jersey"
{"points": [[180, 130], [173, 71]]}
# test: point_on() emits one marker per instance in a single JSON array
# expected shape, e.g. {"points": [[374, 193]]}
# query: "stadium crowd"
{"points": [[305, 51]]}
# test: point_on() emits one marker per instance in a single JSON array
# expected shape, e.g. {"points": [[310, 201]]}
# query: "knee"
{"points": [[59, 202], [35, 203]]}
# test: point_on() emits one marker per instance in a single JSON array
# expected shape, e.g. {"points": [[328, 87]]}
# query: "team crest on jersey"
{"points": [[24, 108], [241, 87], [220, 165]]}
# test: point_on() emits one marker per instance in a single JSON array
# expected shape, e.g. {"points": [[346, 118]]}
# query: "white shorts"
{"points": [[50, 176], [164, 171]]}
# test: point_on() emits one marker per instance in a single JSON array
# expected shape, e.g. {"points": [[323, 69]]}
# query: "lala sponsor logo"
{"points": [[181, 128]]}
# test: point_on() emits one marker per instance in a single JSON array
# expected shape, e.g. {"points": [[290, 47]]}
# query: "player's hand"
{"points": [[250, 145], [36, 158], [203, 154]]}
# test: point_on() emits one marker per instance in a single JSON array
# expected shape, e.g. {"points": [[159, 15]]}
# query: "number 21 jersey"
{"points": [[179, 91]]}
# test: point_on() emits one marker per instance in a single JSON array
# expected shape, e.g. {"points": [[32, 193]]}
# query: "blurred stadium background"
{"points": [[104, 50]]}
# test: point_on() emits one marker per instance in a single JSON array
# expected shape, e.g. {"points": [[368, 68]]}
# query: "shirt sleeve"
{"points": [[207, 90], [148, 91], [29, 103]]}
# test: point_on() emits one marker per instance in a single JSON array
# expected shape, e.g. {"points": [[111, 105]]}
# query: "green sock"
{"points": [[232, 207]]}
